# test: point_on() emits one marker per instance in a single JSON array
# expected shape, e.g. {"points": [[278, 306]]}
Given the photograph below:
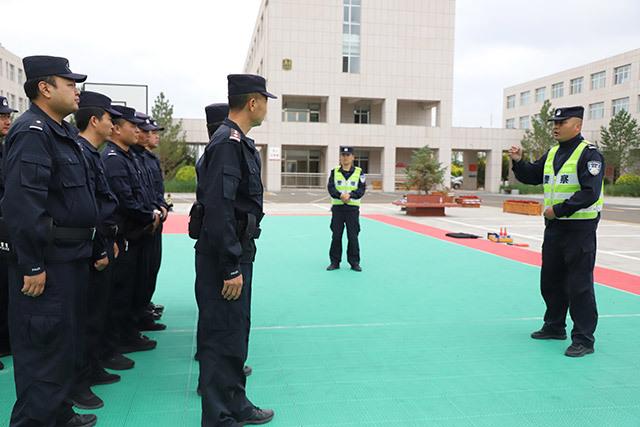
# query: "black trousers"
{"points": [[223, 335], [341, 216], [97, 302], [4, 306], [45, 343], [566, 282], [121, 326], [147, 273]]}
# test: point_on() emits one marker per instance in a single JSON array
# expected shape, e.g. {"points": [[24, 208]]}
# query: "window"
{"points": [[309, 113], [618, 105], [525, 98], [596, 111], [540, 94], [598, 80], [1, 73], [557, 90], [621, 74], [510, 124], [20, 76], [576, 86], [524, 122], [13, 101], [511, 101], [361, 115], [12, 72], [351, 36]]}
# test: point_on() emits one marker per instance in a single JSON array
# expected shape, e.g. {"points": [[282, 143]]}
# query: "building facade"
{"points": [[12, 77], [603, 88], [366, 73]]}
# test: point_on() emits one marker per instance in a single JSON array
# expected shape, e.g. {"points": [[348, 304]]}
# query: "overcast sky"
{"points": [[186, 48]]}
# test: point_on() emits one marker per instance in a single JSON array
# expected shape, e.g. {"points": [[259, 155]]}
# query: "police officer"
{"points": [[157, 179], [125, 179], [94, 120], [50, 211], [346, 187], [149, 264], [230, 191], [5, 348], [215, 115], [572, 175]]}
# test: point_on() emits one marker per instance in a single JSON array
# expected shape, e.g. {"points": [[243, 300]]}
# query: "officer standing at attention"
{"points": [[5, 348], [148, 264], [572, 175], [94, 120], [50, 211], [231, 194], [346, 187], [137, 219]]}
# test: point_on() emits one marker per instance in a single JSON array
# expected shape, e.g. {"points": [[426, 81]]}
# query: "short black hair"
{"points": [[118, 121], [83, 116], [237, 102], [31, 86]]}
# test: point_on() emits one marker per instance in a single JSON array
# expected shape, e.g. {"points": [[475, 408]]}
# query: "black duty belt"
{"points": [[73, 233]]}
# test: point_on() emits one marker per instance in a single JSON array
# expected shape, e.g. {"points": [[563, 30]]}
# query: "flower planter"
{"points": [[523, 207]]}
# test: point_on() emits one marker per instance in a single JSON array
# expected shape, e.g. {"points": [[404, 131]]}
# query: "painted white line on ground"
{"points": [[324, 208], [626, 252], [324, 198], [391, 324]]}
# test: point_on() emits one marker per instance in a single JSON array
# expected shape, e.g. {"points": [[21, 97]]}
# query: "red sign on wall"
{"points": [[473, 167]]}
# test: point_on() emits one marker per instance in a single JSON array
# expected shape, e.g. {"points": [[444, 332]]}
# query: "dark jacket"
{"points": [[229, 188], [46, 181]]}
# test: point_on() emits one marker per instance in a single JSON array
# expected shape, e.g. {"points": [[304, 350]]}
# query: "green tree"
{"points": [[424, 172], [172, 150], [539, 138], [618, 140]]}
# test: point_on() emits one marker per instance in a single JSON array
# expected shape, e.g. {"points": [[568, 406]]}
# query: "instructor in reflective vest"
{"points": [[346, 187], [572, 175]]}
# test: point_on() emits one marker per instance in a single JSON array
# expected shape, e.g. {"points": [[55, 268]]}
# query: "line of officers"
{"points": [[80, 238]]}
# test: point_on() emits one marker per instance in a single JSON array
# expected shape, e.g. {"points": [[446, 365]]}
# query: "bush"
{"points": [[456, 170], [623, 190], [175, 186], [186, 174], [628, 180], [524, 188]]}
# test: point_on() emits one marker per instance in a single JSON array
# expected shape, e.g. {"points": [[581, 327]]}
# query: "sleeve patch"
{"points": [[234, 135]]}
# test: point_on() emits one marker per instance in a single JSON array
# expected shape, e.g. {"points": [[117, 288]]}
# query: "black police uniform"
{"points": [[230, 190], [157, 182], [135, 217], [5, 347], [99, 292], [569, 247], [46, 182], [348, 215], [148, 265]]}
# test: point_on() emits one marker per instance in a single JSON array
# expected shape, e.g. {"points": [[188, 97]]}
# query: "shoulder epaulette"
{"points": [[37, 125], [234, 135]]}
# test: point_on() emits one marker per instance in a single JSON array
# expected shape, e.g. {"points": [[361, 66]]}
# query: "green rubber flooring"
{"points": [[430, 334]]}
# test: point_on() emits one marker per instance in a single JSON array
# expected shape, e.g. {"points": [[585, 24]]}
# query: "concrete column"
{"points": [[444, 157], [388, 167], [333, 157], [470, 174], [333, 110], [273, 173], [493, 172], [390, 111]]}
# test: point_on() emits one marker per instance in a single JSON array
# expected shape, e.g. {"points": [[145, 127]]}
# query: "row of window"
{"points": [[16, 102], [351, 36], [598, 81], [8, 71], [595, 111]]}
